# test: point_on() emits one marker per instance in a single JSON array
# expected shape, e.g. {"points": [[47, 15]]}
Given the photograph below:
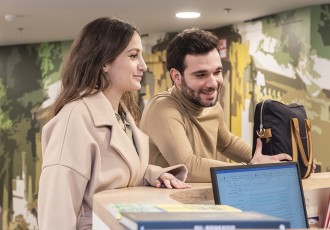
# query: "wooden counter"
{"points": [[199, 193], [316, 191]]}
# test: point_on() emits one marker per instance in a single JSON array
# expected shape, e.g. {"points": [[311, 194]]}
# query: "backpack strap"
{"points": [[297, 143]]}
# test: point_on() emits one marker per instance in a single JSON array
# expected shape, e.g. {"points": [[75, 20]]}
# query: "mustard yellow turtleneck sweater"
{"points": [[183, 133]]}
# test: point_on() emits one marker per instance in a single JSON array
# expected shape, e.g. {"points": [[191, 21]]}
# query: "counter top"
{"points": [[200, 193]]}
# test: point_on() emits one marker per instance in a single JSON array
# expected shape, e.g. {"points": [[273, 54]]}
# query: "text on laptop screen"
{"points": [[273, 189]]}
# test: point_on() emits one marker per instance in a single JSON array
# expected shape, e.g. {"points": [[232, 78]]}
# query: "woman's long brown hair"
{"points": [[100, 42]]}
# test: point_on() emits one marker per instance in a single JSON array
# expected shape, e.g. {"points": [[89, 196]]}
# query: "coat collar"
{"points": [[100, 109], [103, 114]]}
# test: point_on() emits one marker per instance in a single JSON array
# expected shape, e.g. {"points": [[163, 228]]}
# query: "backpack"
{"points": [[284, 129]]}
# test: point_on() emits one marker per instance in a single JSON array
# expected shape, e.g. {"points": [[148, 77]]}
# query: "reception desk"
{"points": [[316, 191]]}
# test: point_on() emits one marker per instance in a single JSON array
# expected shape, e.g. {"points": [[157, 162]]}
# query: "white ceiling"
{"points": [[57, 20]]}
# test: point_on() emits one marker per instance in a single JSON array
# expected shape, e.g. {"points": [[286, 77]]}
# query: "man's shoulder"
{"points": [[162, 105], [162, 99]]}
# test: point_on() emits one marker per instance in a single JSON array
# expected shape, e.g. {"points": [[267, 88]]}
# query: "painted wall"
{"points": [[26, 74], [284, 56]]}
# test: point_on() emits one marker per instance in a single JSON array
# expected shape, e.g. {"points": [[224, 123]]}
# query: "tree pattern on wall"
{"points": [[284, 56]]}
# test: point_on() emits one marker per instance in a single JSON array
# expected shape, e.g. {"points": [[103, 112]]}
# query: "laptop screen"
{"points": [[273, 189]]}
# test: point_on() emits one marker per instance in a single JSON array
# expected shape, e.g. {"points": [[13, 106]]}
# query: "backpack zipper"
{"points": [[261, 131]]}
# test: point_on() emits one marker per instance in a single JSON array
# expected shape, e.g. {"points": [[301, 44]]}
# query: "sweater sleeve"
{"points": [[164, 124], [232, 146]]}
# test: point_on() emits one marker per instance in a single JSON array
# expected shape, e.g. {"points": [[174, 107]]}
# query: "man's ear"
{"points": [[176, 76]]}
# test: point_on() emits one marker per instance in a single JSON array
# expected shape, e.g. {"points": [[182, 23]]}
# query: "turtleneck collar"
{"points": [[191, 107]]}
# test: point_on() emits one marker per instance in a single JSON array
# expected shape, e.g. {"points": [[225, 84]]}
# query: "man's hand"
{"points": [[259, 158]]}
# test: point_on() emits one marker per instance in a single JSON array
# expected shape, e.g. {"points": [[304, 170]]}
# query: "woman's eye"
{"points": [[133, 56]]}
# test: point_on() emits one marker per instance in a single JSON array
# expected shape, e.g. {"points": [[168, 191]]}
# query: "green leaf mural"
{"points": [[25, 71], [284, 56]]}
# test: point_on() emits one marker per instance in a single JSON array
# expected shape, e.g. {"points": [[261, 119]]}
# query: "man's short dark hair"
{"points": [[190, 41]]}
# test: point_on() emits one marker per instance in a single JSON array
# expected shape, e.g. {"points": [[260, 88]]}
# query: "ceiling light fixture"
{"points": [[188, 15], [9, 17]]}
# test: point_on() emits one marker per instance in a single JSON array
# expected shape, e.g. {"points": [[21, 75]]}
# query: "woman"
{"points": [[92, 143]]}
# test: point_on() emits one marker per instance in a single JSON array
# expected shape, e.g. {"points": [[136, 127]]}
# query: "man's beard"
{"points": [[193, 95]]}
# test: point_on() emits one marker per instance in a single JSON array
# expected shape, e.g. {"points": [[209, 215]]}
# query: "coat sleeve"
{"points": [[153, 172], [67, 149], [61, 191]]}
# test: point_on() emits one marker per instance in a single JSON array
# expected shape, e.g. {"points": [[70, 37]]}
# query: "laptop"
{"points": [[274, 189]]}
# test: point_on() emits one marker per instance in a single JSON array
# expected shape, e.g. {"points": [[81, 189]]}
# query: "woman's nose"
{"points": [[142, 66]]}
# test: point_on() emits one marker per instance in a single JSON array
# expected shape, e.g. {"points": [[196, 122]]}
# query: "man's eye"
{"points": [[217, 73], [200, 75]]}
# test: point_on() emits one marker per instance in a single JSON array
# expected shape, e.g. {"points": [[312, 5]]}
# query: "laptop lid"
{"points": [[273, 189]]}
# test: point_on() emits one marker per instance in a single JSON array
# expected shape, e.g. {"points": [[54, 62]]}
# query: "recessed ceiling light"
{"points": [[9, 17], [188, 15]]}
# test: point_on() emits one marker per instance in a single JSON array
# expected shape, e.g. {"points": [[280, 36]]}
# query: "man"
{"points": [[186, 123]]}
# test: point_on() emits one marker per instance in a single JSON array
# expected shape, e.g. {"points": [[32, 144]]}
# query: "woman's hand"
{"points": [[169, 181]]}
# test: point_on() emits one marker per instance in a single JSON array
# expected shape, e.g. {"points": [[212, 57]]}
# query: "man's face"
{"points": [[202, 78]]}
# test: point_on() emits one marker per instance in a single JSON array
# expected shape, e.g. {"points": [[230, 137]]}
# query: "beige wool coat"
{"points": [[86, 151]]}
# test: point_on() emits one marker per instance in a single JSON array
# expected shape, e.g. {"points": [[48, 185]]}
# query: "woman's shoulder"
{"points": [[73, 111]]}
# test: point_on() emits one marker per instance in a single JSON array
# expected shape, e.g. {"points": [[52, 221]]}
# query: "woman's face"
{"points": [[126, 71]]}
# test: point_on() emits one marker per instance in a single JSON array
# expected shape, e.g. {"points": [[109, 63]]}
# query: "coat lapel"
{"points": [[103, 115], [141, 141]]}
